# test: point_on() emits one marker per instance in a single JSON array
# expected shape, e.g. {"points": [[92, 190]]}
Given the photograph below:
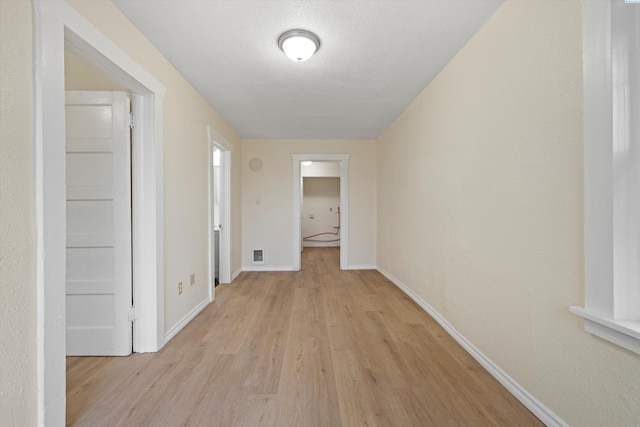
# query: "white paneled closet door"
{"points": [[98, 248]]}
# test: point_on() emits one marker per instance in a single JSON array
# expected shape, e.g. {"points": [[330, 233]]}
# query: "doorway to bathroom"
{"points": [[219, 210]]}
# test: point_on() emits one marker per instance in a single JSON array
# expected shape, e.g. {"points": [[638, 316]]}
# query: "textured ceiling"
{"points": [[375, 57]]}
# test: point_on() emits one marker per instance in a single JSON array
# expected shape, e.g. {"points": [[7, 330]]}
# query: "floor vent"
{"points": [[258, 256]]}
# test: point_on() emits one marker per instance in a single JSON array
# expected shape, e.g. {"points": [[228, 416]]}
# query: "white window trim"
{"points": [[611, 174]]}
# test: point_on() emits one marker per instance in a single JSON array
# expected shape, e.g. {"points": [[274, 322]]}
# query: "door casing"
{"points": [[58, 26]]}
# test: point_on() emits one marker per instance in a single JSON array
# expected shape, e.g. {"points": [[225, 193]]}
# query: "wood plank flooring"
{"points": [[319, 347]]}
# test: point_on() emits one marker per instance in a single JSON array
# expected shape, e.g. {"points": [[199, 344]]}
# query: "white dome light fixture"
{"points": [[299, 45]]}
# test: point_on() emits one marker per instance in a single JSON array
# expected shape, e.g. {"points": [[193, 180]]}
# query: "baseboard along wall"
{"points": [[543, 413], [173, 331]]}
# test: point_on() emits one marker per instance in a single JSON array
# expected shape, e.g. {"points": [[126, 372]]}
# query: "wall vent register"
{"points": [[258, 256]]}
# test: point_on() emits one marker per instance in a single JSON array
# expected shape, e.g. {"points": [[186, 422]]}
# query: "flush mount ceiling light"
{"points": [[299, 45]]}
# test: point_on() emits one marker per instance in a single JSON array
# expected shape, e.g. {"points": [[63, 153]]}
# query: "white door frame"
{"points": [[56, 26], [343, 159], [215, 139]]}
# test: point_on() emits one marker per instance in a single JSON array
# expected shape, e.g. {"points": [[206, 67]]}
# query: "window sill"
{"points": [[625, 333]]}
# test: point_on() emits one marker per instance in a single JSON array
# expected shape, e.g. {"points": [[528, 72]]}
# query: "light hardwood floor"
{"points": [[320, 347]]}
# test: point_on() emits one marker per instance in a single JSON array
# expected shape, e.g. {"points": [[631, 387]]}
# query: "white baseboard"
{"points": [[267, 268], [362, 267], [235, 274], [185, 320], [543, 413]]}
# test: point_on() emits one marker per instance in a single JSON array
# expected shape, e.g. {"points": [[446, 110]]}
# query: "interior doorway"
{"points": [[342, 165], [219, 210], [321, 216], [217, 221], [57, 26]]}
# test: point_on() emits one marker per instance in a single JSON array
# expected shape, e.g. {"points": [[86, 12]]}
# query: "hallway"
{"points": [[319, 347]]}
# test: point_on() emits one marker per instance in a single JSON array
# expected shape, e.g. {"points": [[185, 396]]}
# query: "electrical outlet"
{"points": [[192, 279], [179, 288]]}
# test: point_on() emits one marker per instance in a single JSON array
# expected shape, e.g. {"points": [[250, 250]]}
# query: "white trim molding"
{"points": [[544, 414], [363, 267], [267, 268], [612, 172], [58, 26], [175, 329], [626, 334]]}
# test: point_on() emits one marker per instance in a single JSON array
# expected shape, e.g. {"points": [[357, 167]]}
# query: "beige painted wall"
{"points": [[269, 225], [79, 75], [18, 389], [186, 116], [480, 210]]}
